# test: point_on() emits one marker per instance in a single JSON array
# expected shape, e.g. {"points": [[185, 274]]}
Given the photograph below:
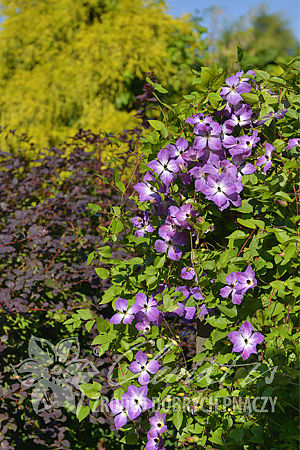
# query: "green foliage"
{"points": [[67, 65], [263, 232]]}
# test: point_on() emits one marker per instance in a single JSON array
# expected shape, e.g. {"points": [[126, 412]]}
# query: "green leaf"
{"points": [[262, 75], [245, 208], [278, 81], [90, 324], [216, 437], [104, 338], [177, 419], [82, 412], [249, 98], [229, 312], [169, 304], [251, 223], [240, 53], [160, 89], [159, 261], [220, 322], [157, 124], [102, 273], [91, 390], [90, 258], [120, 186], [84, 314], [116, 226]]}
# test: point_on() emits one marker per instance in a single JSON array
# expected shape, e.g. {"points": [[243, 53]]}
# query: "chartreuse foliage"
{"points": [[81, 64], [251, 222]]}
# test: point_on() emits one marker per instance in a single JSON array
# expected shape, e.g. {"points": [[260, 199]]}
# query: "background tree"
{"points": [[67, 64], [265, 37]]}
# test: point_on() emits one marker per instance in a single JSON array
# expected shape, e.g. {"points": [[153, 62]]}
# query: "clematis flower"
{"points": [[187, 273], [171, 241], [245, 341], [208, 136], [136, 401], [190, 312], [248, 169], [245, 280], [183, 213], [221, 190], [293, 143], [154, 442], [266, 159], [196, 293], [203, 310], [146, 191], [241, 117], [231, 281], [141, 366], [126, 315], [178, 150], [216, 166], [199, 118], [144, 327], [157, 423], [164, 166], [142, 224], [118, 409], [145, 308], [228, 140], [235, 87], [245, 144]]}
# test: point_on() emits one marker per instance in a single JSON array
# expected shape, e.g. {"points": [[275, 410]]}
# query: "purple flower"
{"points": [[119, 410], [231, 281], [245, 341], [187, 273], [143, 326], [157, 423], [179, 215], [146, 191], [203, 310], [216, 166], [164, 166], [142, 224], [245, 280], [241, 117], [196, 293], [154, 442], [141, 366], [235, 87], [171, 241], [266, 159], [221, 190], [145, 308], [228, 140], [136, 401], [293, 143], [199, 118], [177, 151], [248, 169], [208, 136], [190, 312], [126, 315], [244, 145]]}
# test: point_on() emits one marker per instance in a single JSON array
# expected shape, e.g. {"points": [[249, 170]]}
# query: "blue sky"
{"points": [[290, 9]]}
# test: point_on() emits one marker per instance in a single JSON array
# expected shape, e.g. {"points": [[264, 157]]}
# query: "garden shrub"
{"points": [[213, 248], [81, 64], [46, 235]]}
